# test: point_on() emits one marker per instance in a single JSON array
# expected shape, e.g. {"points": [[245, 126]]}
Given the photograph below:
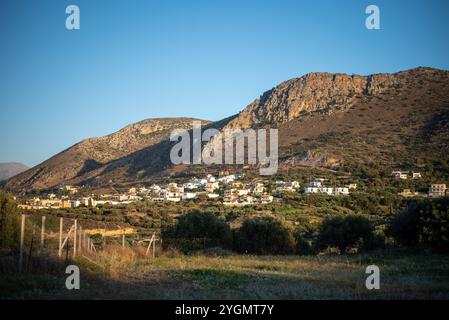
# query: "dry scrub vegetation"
{"points": [[124, 273]]}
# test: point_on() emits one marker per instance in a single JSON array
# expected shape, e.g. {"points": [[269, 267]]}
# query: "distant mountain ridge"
{"points": [[10, 169], [325, 120]]}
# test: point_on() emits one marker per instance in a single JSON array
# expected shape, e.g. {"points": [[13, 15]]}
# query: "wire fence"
{"points": [[46, 236]]}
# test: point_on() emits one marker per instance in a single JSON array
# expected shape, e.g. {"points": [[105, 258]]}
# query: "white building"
{"points": [[266, 198], [172, 196], [155, 188], [341, 191], [212, 186], [75, 203], [243, 192], [319, 189], [416, 175], [258, 188], [143, 191], [227, 179], [188, 195], [316, 184], [291, 186], [437, 190], [231, 199], [88, 202], [190, 185], [403, 175]]}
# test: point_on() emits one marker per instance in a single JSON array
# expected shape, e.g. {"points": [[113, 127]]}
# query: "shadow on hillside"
{"points": [[148, 162]]}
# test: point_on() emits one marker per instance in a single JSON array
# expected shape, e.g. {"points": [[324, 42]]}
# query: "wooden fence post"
{"points": [[42, 249], [74, 239], [154, 248], [67, 250], [80, 239], [30, 254], [60, 237], [123, 240], [22, 236], [152, 243]]}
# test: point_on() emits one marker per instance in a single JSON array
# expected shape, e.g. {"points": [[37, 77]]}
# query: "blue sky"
{"points": [[137, 59]]}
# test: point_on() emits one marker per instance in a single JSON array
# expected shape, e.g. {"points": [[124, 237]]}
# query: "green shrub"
{"points": [[422, 223], [197, 230], [9, 222], [264, 235], [345, 232], [303, 245]]}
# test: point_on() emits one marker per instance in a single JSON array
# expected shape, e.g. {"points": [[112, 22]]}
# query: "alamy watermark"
{"points": [[72, 21], [373, 280], [372, 22], [73, 280], [188, 151]]}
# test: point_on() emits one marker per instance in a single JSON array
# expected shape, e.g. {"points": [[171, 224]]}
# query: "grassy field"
{"points": [[125, 274]]}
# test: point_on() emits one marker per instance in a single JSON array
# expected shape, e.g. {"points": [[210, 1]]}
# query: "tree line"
{"points": [[422, 224]]}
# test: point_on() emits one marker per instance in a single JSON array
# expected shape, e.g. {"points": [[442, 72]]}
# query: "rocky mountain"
{"points": [[10, 169], [336, 121], [327, 92], [92, 157], [347, 121]]}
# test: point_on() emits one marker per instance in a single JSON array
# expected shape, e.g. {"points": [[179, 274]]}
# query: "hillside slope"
{"points": [[92, 156], [337, 121], [346, 121]]}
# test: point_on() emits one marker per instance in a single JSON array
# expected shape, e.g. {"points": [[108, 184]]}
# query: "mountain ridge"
{"points": [[316, 115], [93, 153]]}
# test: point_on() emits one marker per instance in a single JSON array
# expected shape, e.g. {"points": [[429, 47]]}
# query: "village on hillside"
{"points": [[229, 189]]}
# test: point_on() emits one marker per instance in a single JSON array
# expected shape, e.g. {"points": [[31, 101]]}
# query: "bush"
{"points": [[303, 245], [345, 232], [422, 223], [198, 230], [9, 222], [264, 235]]}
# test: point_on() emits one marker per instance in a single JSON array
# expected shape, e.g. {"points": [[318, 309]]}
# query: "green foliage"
{"points": [[264, 235], [198, 230], [303, 245], [9, 223], [345, 232], [423, 223]]}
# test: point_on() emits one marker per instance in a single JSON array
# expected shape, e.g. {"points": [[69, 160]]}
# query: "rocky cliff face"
{"points": [[322, 92]]}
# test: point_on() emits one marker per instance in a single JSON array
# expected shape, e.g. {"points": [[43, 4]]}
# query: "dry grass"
{"points": [[118, 273]]}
